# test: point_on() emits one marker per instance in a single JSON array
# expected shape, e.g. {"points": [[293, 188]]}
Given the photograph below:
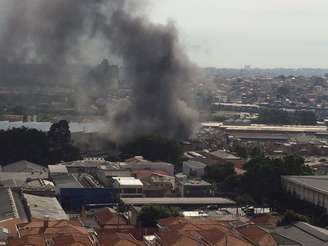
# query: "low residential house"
{"points": [[195, 232], [109, 218], [208, 231], [193, 168], [10, 225], [139, 163], [156, 184], [191, 187], [19, 179], [118, 239], [128, 187], [53, 233], [221, 157], [25, 167]]}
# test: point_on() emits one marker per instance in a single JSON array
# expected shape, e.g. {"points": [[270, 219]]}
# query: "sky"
{"points": [[260, 33]]}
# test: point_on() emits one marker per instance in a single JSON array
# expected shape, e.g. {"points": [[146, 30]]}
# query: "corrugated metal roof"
{"points": [[319, 183], [178, 200]]}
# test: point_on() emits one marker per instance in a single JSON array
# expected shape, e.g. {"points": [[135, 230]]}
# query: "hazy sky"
{"points": [[262, 33]]}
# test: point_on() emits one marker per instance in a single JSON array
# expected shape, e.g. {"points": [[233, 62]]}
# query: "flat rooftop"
{"points": [[88, 163], [66, 181], [59, 168], [318, 183], [224, 155], [268, 128], [41, 206], [24, 166], [17, 179], [261, 136], [271, 128], [237, 105], [127, 181], [195, 182], [178, 201]]}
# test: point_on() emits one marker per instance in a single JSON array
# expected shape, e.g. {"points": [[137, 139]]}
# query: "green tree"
{"points": [[291, 216], [154, 148], [23, 144], [256, 152], [231, 184], [273, 116], [60, 143], [315, 214], [240, 150], [262, 179], [150, 214], [305, 117], [218, 173], [281, 117]]}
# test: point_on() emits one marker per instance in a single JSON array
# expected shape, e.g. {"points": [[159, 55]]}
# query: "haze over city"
{"points": [[263, 33], [163, 122]]}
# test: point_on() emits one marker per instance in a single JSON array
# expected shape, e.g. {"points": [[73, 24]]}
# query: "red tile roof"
{"points": [[268, 219], [59, 232], [118, 239], [107, 217], [143, 174], [10, 225], [181, 231]]}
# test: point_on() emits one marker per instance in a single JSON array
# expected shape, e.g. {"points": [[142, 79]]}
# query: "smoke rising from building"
{"points": [[57, 33]]}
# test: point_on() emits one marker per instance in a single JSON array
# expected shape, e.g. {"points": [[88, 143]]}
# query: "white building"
{"points": [[128, 186], [313, 189], [59, 169], [105, 175]]}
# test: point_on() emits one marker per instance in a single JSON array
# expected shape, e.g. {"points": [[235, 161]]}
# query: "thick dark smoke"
{"points": [[46, 33], [159, 71], [56, 33]]}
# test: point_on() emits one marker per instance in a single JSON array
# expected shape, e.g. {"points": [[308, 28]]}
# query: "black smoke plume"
{"points": [[57, 33]]}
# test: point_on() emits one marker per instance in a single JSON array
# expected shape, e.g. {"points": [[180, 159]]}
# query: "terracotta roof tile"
{"points": [[144, 174], [10, 224], [118, 239], [181, 231], [107, 217], [266, 220], [257, 235], [59, 232]]}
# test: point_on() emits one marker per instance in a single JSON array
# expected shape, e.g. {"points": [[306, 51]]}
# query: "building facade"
{"points": [[313, 189]]}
